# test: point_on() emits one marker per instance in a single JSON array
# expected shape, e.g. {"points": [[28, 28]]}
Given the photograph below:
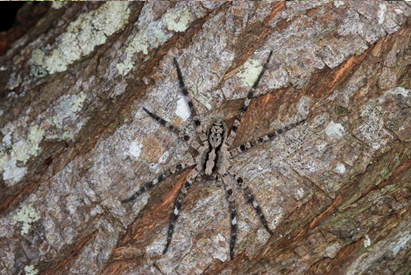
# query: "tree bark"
{"points": [[75, 140]]}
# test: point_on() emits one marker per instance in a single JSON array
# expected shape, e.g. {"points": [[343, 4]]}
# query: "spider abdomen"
{"points": [[215, 140]]}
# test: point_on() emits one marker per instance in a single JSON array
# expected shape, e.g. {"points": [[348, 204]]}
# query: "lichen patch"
{"points": [[340, 168], [67, 112], [402, 242], [27, 215], [153, 34], [335, 130], [23, 150], [12, 173], [177, 20], [249, 72], [150, 36], [134, 149], [57, 5], [87, 31], [4, 158], [337, 4], [30, 270], [78, 103], [399, 91]]}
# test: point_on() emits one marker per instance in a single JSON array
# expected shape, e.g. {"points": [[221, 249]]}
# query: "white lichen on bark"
{"points": [[86, 32], [27, 215]]}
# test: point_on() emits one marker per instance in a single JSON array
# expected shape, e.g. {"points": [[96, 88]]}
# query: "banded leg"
{"points": [[148, 185], [189, 100], [230, 139], [250, 197], [194, 144], [233, 211], [234, 152], [190, 179]]}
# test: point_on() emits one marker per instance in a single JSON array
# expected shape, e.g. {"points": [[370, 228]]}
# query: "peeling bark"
{"points": [[75, 140]]}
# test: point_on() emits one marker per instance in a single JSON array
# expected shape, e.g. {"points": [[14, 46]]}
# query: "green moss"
{"points": [[344, 224], [394, 125], [384, 172], [341, 111], [385, 149], [245, 242], [406, 82], [397, 66], [121, 118], [387, 188]]}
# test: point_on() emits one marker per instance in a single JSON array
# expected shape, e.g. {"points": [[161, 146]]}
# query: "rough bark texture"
{"points": [[75, 140]]}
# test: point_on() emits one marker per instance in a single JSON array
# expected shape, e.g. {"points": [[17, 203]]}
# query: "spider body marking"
{"points": [[214, 155], [213, 159]]}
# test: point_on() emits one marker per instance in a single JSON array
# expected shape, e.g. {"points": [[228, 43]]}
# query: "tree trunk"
{"points": [[75, 140]]}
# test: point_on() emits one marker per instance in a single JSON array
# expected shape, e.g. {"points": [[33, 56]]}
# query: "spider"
{"points": [[213, 159]]}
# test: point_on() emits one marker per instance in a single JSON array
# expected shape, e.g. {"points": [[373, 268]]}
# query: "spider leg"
{"points": [[230, 139], [190, 179], [250, 197], [189, 100], [234, 152], [233, 212], [148, 185], [194, 144]]}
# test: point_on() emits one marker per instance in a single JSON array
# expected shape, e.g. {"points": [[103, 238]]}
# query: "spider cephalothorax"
{"points": [[214, 155]]}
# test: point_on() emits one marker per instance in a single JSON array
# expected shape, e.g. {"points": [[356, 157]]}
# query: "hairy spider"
{"points": [[213, 159]]}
